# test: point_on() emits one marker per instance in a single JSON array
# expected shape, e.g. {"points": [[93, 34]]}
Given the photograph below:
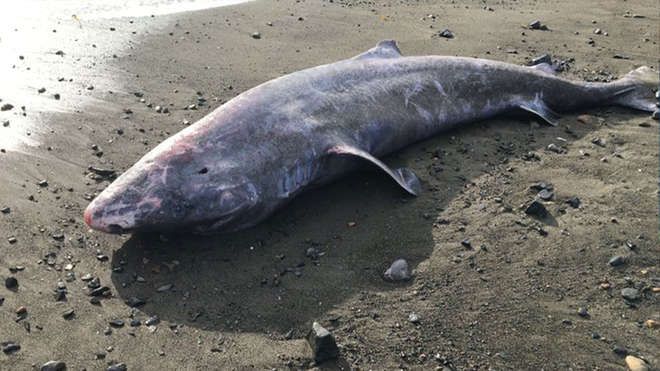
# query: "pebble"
{"points": [[11, 283], [574, 202], [6, 107], [620, 350], [651, 323], [636, 364], [323, 343], [537, 25], [656, 115], [554, 148], [582, 312], [446, 33], [546, 195], [413, 318], [10, 347], [630, 293], [135, 302], [545, 58], [152, 321], [53, 366], [617, 260], [256, 35], [68, 314], [117, 367], [164, 288], [537, 209], [398, 271], [116, 323]]}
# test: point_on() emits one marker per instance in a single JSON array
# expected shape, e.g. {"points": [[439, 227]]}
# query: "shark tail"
{"points": [[639, 87]]}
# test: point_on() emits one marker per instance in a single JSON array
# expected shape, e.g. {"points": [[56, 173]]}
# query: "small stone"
{"points": [[599, 142], [41, 90], [5, 210], [546, 195], [165, 288], [10, 347], [446, 33], [12, 240], [53, 366], [545, 58], [636, 364], [117, 367], [6, 107], [656, 115], [554, 148], [598, 31], [651, 323], [152, 321], [537, 25], [537, 209], [323, 343], [620, 350], [116, 323], [413, 318], [11, 283], [617, 260], [68, 314], [99, 291], [256, 35], [466, 243], [574, 202], [582, 312], [135, 302], [398, 271], [631, 294], [135, 322]]}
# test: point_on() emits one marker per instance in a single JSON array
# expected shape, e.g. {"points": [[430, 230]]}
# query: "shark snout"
{"points": [[105, 216]]}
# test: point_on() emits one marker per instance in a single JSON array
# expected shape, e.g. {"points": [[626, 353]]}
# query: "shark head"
{"points": [[173, 187]]}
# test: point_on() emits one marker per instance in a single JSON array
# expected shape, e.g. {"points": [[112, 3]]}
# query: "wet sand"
{"points": [[509, 301]]}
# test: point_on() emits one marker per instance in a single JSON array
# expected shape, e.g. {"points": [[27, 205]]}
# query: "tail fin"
{"points": [[640, 85]]}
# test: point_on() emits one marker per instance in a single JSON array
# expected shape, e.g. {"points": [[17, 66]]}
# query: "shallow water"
{"points": [[56, 45]]}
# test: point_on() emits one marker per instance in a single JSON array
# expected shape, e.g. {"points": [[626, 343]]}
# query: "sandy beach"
{"points": [[493, 288]]}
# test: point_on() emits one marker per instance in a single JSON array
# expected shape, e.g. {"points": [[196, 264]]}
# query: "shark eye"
{"points": [[203, 170]]}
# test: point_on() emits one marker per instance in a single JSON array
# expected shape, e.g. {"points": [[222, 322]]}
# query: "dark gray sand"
{"points": [[508, 298]]}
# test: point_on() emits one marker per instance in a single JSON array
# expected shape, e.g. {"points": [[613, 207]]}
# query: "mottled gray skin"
{"points": [[237, 165]]}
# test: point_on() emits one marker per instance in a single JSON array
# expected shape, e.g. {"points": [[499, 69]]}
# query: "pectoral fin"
{"points": [[405, 177], [540, 109]]}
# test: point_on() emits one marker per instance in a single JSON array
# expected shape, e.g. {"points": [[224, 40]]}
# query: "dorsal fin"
{"points": [[384, 49]]}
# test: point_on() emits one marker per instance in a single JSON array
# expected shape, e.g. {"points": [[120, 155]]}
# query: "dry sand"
{"points": [[508, 302]]}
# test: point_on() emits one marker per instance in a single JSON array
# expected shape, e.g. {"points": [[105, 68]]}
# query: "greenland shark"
{"points": [[237, 165]]}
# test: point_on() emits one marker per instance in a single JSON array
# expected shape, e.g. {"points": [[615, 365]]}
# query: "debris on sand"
{"points": [[446, 33], [323, 343], [636, 364], [617, 260], [630, 294], [53, 366], [536, 208], [11, 283], [398, 271], [10, 347], [537, 25]]}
